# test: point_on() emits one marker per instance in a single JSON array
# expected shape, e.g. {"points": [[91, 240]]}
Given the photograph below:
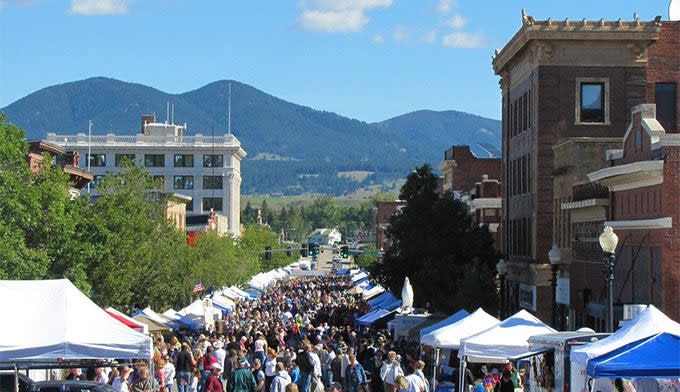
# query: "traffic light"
{"points": [[344, 252], [289, 251], [303, 250], [267, 252], [314, 249]]}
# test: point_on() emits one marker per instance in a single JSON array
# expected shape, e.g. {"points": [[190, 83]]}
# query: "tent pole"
{"points": [[435, 364], [16, 378], [461, 374]]}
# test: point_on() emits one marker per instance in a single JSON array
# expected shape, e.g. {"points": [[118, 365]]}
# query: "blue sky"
{"points": [[366, 59]]}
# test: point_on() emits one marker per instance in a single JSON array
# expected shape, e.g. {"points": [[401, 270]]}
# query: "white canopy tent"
{"points": [[51, 321], [449, 336], [505, 340], [145, 328], [223, 301], [648, 323], [240, 292], [377, 289], [155, 317], [359, 276]]}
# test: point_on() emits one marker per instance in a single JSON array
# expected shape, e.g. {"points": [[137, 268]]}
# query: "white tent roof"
{"points": [[240, 292], [648, 323], [145, 328], [229, 293], [505, 340], [359, 276], [450, 335], [50, 320], [223, 301], [377, 289], [197, 309], [153, 316]]}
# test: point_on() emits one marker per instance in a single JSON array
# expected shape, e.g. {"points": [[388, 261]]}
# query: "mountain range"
{"points": [[292, 149]]}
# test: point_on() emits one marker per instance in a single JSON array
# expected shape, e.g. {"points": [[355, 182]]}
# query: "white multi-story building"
{"points": [[206, 168]]}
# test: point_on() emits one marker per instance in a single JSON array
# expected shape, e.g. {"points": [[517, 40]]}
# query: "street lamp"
{"points": [[555, 256], [608, 242], [502, 269]]}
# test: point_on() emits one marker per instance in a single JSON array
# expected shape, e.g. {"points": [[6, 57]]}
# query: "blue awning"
{"points": [[386, 299], [657, 356], [378, 299], [342, 272], [392, 305], [364, 279]]}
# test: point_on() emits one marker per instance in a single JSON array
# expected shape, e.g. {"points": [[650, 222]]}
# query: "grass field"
{"points": [[276, 202]]}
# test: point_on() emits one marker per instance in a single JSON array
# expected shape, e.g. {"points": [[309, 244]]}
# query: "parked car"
{"points": [[70, 386], [7, 381]]}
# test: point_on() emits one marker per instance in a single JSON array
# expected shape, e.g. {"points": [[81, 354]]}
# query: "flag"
{"points": [[198, 288]]}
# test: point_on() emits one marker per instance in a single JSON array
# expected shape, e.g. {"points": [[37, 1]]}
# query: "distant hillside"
{"points": [[292, 149], [447, 128]]}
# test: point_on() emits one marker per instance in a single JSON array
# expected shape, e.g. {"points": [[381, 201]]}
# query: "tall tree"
{"points": [[435, 243]]}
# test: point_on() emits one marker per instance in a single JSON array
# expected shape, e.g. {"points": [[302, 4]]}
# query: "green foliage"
{"points": [[438, 248]]}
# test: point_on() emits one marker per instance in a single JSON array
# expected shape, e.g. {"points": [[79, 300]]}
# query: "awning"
{"points": [[531, 353]]}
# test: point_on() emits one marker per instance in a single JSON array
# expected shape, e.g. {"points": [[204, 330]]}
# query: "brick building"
{"points": [[568, 88], [644, 210], [461, 169], [484, 204], [384, 211], [67, 160]]}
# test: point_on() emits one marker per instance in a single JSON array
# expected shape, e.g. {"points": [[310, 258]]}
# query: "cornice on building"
{"points": [[636, 35]]}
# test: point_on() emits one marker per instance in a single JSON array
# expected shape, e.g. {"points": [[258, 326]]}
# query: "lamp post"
{"points": [[555, 256], [502, 269], [608, 242]]}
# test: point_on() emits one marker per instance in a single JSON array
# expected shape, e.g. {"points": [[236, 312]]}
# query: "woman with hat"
{"points": [[213, 383]]}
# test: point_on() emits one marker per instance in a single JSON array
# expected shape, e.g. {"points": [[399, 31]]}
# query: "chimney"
{"points": [[147, 119]]}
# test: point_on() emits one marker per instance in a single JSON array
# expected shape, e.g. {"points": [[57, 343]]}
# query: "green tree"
{"points": [[436, 246]]}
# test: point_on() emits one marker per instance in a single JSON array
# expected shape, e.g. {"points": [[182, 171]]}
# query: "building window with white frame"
{"points": [[97, 160], [592, 101], [213, 160], [212, 182], [183, 182], [154, 160], [214, 203], [184, 160]]}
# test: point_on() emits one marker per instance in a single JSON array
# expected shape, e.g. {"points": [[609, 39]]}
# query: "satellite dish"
{"points": [[674, 10]]}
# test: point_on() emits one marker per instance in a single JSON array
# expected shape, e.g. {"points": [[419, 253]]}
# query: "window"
{"points": [[212, 161], [638, 140], [120, 158], [183, 182], [666, 98], [212, 182], [154, 160], [214, 203], [592, 102], [184, 161], [97, 160], [190, 205]]}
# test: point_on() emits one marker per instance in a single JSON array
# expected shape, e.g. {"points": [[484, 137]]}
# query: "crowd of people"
{"points": [[299, 336]]}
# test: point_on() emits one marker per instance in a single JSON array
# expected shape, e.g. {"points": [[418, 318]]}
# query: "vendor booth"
{"points": [[655, 357], [66, 327], [459, 315], [448, 337]]}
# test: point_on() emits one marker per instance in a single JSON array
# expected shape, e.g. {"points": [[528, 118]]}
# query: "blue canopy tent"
{"points": [[374, 316], [459, 315], [388, 299], [342, 272], [392, 305], [379, 298], [657, 356], [188, 322]]}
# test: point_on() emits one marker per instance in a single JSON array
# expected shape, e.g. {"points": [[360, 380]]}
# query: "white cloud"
{"points": [[16, 2], [335, 16], [457, 22], [430, 37], [445, 6], [401, 34], [463, 40], [100, 7], [333, 21], [378, 39]]}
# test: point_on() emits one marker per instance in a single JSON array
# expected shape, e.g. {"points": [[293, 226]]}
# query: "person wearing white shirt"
{"points": [[389, 372], [415, 382]]}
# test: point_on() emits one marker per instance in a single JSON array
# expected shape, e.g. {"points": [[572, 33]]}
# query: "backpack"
{"points": [[304, 363]]}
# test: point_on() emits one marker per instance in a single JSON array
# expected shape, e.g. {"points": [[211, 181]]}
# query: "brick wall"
{"points": [[664, 64], [470, 168]]}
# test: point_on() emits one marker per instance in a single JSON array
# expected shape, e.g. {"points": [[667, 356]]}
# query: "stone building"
{"points": [[205, 168], [567, 89]]}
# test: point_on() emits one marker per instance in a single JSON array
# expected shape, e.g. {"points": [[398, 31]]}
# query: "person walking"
{"points": [[389, 371], [355, 374], [242, 380], [281, 379]]}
